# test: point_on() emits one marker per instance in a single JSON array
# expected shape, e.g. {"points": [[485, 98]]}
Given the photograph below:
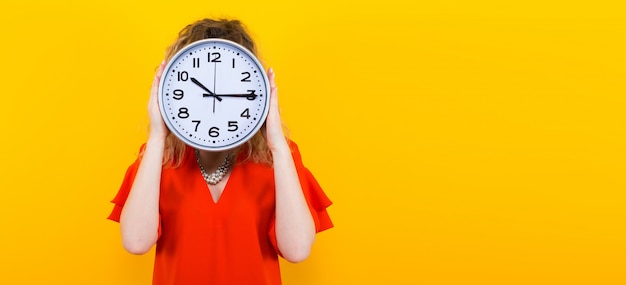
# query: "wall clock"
{"points": [[214, 94]]}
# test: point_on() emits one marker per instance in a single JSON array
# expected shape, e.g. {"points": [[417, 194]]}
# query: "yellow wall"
{"points": [[463, 142]]}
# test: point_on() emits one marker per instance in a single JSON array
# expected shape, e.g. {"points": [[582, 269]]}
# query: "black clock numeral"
{"points": [[216, 57], [197, 124], [247, 78], [178, 94], [233, 62], [196, 62], [251, 96], [183, 76], [246, 113], [233, 125], [214, 132], [183, 113]]}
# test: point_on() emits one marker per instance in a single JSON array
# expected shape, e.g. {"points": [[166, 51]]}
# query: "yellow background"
{"points": [[463, 142]]}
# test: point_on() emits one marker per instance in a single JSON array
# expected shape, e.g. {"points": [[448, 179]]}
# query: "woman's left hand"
{"points": [[273, 125], [295, 228]]}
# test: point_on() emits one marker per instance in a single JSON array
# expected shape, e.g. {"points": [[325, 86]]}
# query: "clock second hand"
{"points": [[214, 83]]}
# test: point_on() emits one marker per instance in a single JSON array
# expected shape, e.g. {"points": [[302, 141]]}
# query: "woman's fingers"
{"points": [[274, 127], [157, 126]]}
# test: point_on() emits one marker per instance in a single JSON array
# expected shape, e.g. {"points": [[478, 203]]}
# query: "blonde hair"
{"points": [[256, 148]]}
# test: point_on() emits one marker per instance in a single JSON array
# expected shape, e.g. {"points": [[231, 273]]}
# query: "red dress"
{"points": [[231, 241]]}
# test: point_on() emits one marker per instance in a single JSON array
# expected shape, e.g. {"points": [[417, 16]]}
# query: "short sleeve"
{"points": [[127, 183], [314, 195], [123, 192]]}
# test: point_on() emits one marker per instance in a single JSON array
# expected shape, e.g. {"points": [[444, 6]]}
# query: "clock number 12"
{"points": [[216, 57]]}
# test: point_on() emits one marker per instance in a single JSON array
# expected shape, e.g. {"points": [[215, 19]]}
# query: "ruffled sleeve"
{"points": [[124, 190], [314, 195], [122, 194]]}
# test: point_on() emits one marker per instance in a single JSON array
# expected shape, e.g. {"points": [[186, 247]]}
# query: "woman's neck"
{"points": [[211, 160]]}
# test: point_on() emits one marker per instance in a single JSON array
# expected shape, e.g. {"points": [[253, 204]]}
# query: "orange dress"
{"points": [[231, 241]]}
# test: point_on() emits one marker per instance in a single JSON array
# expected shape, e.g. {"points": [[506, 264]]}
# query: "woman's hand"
{"points": [[158, 130], [139, 221], [295, 229], [273, 125]]}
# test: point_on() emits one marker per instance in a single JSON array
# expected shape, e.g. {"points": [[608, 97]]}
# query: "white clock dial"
{"points": [[214, 94]]}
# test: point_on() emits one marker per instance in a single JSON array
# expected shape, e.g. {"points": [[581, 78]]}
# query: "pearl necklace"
{"points": [[215, 177]]}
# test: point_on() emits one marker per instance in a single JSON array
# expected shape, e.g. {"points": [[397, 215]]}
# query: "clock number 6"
{"points": [[214, 132]]}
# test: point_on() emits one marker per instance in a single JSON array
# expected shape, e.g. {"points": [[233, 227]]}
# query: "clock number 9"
{"points": [[178, 94], [214, 132]]}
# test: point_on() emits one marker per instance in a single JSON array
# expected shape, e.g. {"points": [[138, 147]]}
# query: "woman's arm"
{"points": [[139, 221], [295, 229]]}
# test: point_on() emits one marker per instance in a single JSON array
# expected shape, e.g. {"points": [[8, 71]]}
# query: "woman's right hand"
{"points": [[139, 221], [158, 130]]}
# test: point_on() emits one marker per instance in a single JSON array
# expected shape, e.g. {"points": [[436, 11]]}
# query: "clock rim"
{"points": [[245, 138]]}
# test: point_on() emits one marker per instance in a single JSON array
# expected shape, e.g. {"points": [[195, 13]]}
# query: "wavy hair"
{"points": [[256, 148]]}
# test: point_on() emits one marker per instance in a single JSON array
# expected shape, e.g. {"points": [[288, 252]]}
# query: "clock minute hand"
{"points": [[249, 96], [211, 94]]}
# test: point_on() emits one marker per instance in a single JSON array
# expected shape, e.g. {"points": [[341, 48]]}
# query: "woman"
{"points": [[264, 202]]}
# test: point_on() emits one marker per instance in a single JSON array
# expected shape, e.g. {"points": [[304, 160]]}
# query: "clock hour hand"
{"points": [[211, 94]]}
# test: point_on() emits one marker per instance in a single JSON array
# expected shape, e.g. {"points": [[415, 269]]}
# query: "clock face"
{"points": [[214, 95]]}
